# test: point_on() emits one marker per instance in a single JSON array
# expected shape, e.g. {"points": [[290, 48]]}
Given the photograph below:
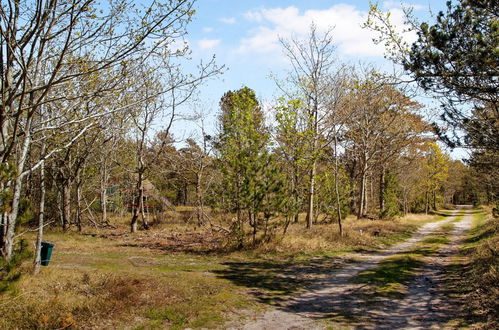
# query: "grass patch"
{"points": [[389, 277], [174, 277], [94, 282], [476, 273], [436, 240], [359, 235], [483, 228]]}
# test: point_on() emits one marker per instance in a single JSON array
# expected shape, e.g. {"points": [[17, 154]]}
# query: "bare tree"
{"points": [[165, 88], [49, 45], [317, 79]]}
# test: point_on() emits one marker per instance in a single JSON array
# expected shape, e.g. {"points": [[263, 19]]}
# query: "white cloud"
{"points": [[346, 20], [207, 29], [205, 44], [228, 20], [390, 4], [253, 16]]}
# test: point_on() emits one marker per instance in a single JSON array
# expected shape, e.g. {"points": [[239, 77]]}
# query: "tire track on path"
{"points": [[426, 305], [333, 297]]}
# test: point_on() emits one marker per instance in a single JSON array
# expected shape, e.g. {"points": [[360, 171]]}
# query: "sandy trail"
{"points": [[426, 306], [335, 297]]}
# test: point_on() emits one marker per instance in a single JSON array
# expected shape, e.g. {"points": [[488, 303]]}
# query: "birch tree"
{"points": [[317, 79], [48, 45]]}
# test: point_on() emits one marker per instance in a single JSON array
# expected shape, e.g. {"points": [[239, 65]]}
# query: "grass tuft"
{"points": [[477, 273], [173, 276], [391, 275]]}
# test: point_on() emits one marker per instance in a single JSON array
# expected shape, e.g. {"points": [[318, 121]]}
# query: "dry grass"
{"points": [[175, 275], [94, 282], [82, 299], [359, 234], [179, 233], [478, 273]]}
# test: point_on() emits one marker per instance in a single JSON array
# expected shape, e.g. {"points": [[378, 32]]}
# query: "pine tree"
{"points": [[249, 175]]}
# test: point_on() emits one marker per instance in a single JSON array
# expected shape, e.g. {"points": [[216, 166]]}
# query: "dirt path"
{"points": [[335, 297], [425, 306]]}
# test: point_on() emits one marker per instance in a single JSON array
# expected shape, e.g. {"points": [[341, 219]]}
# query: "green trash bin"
{"points": [[46, 253]]}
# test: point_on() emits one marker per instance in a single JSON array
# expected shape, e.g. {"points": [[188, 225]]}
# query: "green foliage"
{"points": [[25, 212], [459, 53], [436, 171], [391, 196], [326, 192], [250, 181], [294, 150], [294, 135], [455, 57], [9, 270], [7, 173]]}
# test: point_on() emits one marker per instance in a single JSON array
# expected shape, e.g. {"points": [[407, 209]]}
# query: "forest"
{"points": [[91, 95]]}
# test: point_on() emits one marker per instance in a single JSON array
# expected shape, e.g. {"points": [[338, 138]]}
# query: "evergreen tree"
{"points": [[455, 58], [248, 172], [390, 196]]}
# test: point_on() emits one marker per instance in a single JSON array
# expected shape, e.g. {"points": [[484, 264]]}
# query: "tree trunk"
{"points": [[336, 185], [139, 190], [185, 193], [135, 214], [353, 197], [10, 218], [138, 203], [66, 205], [103, 191], [145, 224], [366, 199], [434, 200], [405, 202], [78, 202], [427, 202], [362, 192], [311, 195], [382, 188], [295, 192], [253, 220], [199, 201], [59, 206], [3, 228], [41, 215]]}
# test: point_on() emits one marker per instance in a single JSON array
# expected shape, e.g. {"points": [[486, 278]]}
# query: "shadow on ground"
{"points": [[271, 282]]}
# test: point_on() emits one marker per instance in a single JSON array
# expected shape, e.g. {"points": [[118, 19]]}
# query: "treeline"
{"points": [[340, 140], [90, 94]]}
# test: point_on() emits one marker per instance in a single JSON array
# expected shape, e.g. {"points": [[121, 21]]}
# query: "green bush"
{"points": [[10, 270]]}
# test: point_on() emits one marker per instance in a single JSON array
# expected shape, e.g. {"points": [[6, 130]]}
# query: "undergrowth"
{"points": [[161, 279], [359, 235], [479, 274]]}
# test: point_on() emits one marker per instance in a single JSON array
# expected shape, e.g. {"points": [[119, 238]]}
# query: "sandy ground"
{"points": [[336, 299]]}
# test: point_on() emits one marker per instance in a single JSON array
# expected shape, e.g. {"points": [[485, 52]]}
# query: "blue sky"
{"points": [[243, 35]]}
